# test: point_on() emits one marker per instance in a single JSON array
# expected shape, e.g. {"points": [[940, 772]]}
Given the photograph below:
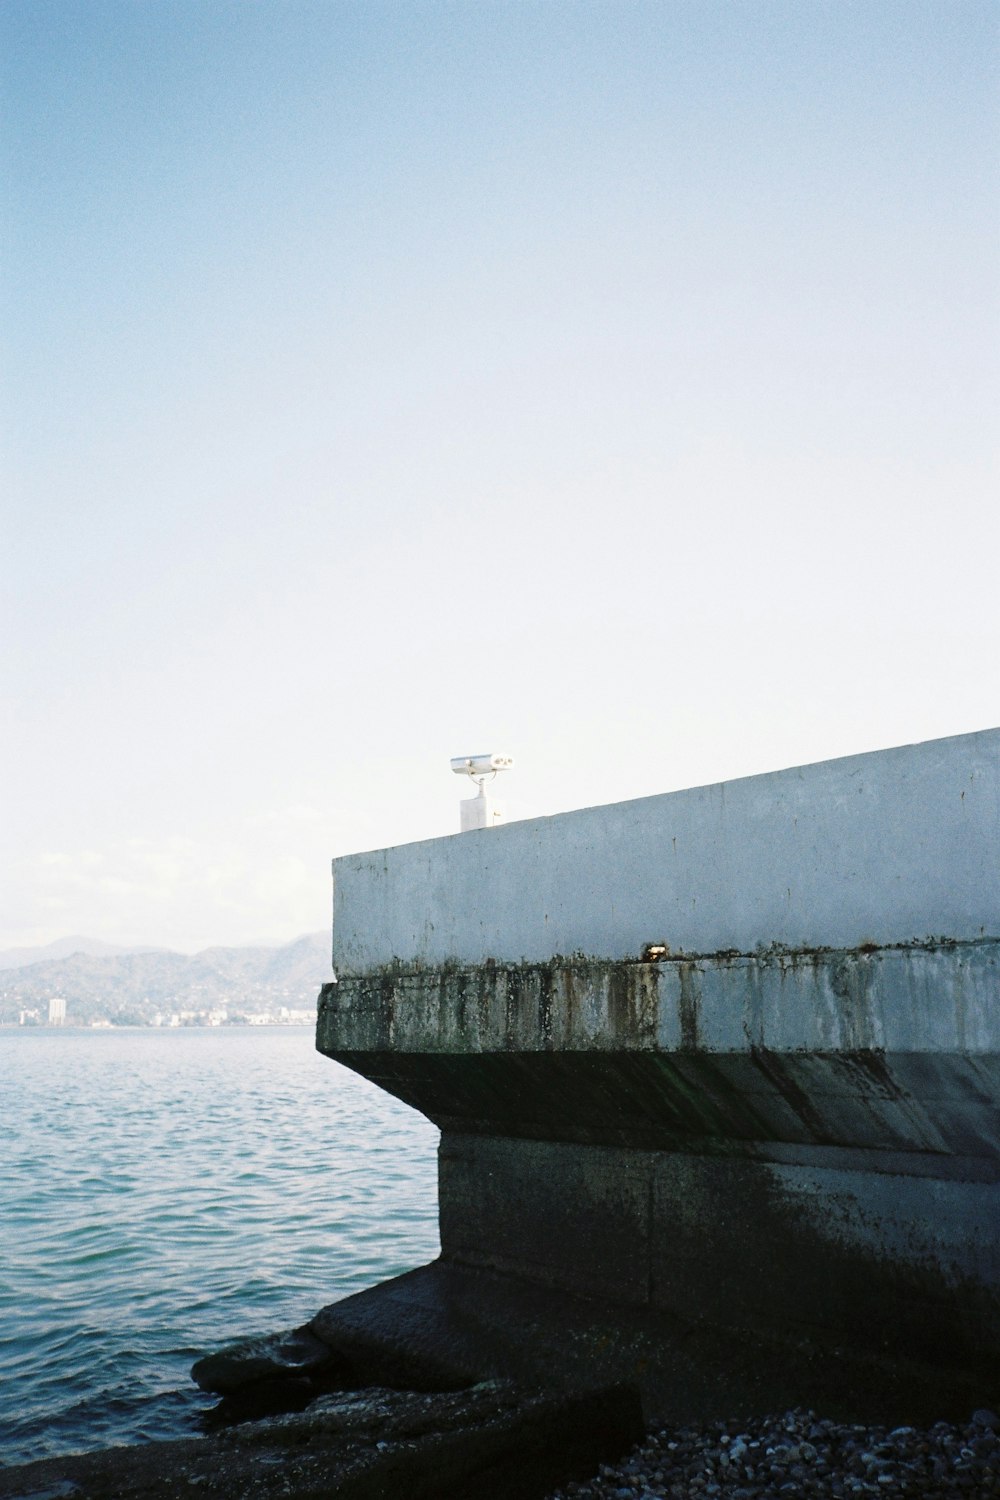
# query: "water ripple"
{"points": [[167, 1191]]}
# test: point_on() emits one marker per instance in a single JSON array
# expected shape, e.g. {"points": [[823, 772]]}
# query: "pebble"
{"points": [[800, 1454]]}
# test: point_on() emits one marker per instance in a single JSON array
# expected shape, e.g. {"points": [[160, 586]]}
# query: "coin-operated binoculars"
{"points": [[480, 811]]}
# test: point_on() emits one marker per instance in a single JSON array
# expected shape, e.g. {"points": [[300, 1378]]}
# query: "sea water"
{"points": [[163, 1192]]}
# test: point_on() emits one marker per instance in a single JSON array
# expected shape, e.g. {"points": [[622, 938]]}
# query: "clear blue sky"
{"points": [[614, 384]]}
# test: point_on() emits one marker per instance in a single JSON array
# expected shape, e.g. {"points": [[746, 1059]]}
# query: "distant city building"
{"points": [[57, 1012]]}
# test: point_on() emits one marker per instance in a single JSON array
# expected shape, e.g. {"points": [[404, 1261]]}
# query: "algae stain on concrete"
{"points": [[689, 1006]]}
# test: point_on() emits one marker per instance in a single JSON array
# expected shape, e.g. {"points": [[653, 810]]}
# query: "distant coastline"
{"points": [[259, 1020], [159, 988]]}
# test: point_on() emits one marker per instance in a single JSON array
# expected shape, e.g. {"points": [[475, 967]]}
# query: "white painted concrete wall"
{"points": [[892, 847]]}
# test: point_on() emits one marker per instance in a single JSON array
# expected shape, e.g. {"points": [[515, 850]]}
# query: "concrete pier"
{"points": [[730, 1055]]}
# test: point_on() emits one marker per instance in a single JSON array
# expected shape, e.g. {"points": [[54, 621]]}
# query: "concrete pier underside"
{"points": [[800, 1139], [850, 1191]]}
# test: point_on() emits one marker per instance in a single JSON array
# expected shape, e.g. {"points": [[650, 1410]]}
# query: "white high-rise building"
{"points": [[57, 1011]]}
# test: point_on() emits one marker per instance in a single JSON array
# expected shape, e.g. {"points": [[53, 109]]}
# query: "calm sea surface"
{"points": [[164, 1192]]}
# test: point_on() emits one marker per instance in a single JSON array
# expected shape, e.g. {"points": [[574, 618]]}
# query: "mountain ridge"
{"points": [[132, 987], [66, 947]]}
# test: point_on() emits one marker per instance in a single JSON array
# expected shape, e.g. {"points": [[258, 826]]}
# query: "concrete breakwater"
{"points": [[717, 1076], [728, 1056]]}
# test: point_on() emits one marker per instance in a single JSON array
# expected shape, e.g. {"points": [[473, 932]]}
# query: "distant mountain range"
{"points": [[18, 958], [101, 983]]}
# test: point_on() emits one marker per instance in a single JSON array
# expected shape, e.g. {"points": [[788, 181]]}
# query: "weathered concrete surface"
{"points": [[926, 998], [892, 847], [449, 1328], [448, 1323], [895, 1050], [790, 1120], [843, 1185]]}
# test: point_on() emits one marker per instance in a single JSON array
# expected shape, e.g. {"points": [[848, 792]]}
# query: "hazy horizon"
{"points": [[99, 947], [611, 385]]}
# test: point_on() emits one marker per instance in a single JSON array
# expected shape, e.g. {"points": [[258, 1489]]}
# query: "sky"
{"points": [[609, 384]]}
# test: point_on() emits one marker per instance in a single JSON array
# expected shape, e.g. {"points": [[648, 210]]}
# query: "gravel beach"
{"points": [[801, 1454]]}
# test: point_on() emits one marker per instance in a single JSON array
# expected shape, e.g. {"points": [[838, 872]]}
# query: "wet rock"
{"points": [[64, 1490], [277, 1357], [495, 1441]]}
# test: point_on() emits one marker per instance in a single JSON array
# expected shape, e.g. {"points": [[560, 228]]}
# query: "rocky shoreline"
{"points": [[493, 1441], [453, 1384], [800, 1454], [498, 1442]]}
